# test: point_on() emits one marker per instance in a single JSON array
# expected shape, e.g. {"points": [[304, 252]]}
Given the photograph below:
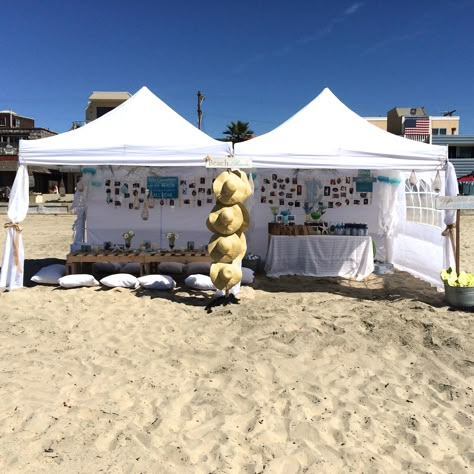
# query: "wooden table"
{"points": [[78, 262]]}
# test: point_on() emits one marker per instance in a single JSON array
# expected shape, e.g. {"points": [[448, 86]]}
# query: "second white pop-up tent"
{"points": [[327, 137], [326, 134]]}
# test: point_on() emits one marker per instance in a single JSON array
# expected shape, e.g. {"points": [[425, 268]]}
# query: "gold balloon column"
{"points": [[228, 221]]}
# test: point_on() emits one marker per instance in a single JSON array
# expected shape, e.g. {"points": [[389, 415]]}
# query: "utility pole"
{"points": [[200, 99]]}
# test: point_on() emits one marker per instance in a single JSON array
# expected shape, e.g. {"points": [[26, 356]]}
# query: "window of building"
{"points": [[438, 131], [465, 152], [17, 123], [3, 121], [420, 204], [103, 110], [453, 131]]}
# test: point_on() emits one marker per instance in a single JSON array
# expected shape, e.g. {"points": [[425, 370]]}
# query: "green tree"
{"points": [[238, 131]]}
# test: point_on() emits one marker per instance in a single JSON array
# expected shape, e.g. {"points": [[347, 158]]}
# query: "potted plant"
{"points": [[459, 288]]}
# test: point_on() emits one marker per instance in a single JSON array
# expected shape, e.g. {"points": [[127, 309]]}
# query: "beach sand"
{"points": [[304, 375]]}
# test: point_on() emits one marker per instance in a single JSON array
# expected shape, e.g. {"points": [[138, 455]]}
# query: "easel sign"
{"points": [[455, 203]]}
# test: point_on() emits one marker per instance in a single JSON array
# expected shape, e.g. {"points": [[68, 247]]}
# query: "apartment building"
{"points": [[416, 124], [13, 128], [102, 102]]}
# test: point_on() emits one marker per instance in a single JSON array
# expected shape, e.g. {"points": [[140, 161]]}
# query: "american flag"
{"points": [[417, 126]]}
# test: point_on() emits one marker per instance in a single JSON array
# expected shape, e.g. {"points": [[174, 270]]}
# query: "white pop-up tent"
{"points": [[324, 140], [141, 132], [327, 135]]}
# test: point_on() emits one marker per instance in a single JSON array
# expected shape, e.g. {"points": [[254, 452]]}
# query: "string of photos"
{"points": [[328, 192], [154, 191]]}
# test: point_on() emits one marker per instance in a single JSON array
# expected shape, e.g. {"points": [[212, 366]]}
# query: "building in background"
{"points": [[415, 123], [460, 153], [13, 128], [379, 122], [102, 102]]}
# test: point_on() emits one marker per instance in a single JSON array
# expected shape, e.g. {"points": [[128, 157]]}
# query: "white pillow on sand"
{"points": [[192, 268], [199, 282], [75, 281], [50, 275], [247, 276], [121, 280], [171, 267], [157, 282]]}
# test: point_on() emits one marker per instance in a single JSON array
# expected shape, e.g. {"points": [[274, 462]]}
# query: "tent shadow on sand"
{"points": [[197, 298], [390, 287], [179, 295]]}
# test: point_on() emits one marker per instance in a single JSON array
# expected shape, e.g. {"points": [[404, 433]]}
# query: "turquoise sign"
{"points": [[163, 187]]}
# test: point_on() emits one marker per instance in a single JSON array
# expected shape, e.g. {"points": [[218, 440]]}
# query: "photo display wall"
{"points": [[154, 190], [272, 189], [288, 192]]}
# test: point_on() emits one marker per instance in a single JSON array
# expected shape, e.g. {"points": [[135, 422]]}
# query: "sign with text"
{"points": [[364, 182], [455, 202], [229, 162], [163, 187], [364, 174]]}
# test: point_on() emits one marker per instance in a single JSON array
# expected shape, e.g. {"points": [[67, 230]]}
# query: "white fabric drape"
{"points": [[385, 196], [451, 189], [11, 276]]}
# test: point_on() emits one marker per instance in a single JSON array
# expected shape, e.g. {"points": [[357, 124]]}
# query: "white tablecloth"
{"points": [[320, 255]]}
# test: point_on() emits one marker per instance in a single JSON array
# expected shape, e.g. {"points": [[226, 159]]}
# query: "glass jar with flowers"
{"points": [[172, 236], [307, 210], [128, 236], [275, 210]]}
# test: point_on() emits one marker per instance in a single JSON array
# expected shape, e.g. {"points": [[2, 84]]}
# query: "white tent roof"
{"points": [[143, 131], [327, 134]]}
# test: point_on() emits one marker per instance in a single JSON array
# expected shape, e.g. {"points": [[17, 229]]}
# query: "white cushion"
{"points": [[247, 276], [192, 268], [121, 280], [106, 267], [50, 275], [199, 282], [157, 282], [130, 267], [171, 267], [80, 279]]}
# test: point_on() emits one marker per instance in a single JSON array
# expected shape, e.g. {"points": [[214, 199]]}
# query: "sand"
{"points": [[303, 376]]}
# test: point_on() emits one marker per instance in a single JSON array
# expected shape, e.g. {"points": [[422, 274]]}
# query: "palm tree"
{"points": [[238, 131]]}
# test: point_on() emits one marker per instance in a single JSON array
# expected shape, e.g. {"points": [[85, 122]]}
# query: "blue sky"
{"points": [[256, 61]]}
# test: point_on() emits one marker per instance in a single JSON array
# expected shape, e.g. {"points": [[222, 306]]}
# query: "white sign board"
{"points": [[229, 162], [455, 202]]}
